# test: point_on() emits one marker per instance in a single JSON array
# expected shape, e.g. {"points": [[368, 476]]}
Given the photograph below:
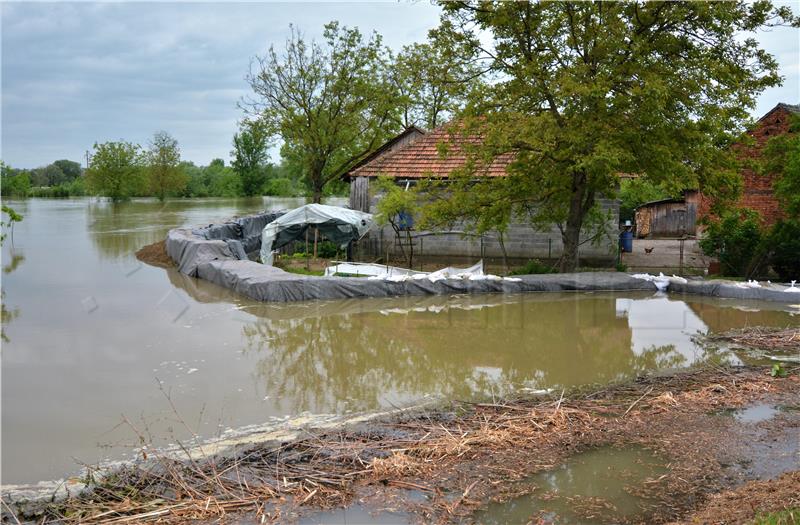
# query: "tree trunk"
{"points": [[316, 196], [505, 253], [410, 249], [571, 233]]}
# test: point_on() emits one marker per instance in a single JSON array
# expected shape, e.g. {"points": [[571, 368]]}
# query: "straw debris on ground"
{"points": [[762, 338], [459, 458]]}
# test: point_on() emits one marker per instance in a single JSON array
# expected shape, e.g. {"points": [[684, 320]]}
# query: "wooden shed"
{"points": [[668, 217]]}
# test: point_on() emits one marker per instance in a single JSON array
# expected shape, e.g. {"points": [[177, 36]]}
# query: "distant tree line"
{"points": [[121, 170]]}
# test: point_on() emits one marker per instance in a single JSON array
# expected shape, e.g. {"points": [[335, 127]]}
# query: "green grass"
{"points": [[783, 517], [302, 271], [533, 266]]}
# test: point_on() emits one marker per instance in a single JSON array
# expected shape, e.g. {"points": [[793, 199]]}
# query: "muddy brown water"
{"points": [[104, 353], [591, 488]]}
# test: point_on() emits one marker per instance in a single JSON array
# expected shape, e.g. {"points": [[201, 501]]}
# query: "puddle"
{"points": [[752, 414], [356, 515], [591, 488]]}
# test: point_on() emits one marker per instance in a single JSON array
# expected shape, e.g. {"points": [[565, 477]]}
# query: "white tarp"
{"points": [[340, 225], [368, 269]]}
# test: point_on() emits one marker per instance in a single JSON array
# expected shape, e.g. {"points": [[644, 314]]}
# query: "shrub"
{"points": [[735, 240], [783, 242], [533, 266]]}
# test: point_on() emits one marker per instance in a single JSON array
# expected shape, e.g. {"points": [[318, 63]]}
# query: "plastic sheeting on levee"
{"points": [[339, 225], [235, 239]]}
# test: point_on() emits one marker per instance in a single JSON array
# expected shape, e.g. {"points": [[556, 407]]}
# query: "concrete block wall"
{"points": [[521, 242]]}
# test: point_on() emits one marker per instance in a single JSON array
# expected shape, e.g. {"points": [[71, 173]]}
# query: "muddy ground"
{"points": [[443, 465], [156, 255]]}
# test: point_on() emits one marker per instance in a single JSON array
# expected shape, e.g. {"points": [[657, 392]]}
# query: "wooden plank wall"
{"points": [[359, 193]]}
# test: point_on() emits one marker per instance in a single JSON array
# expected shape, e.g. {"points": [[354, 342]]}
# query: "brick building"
{"points": [[757, 193]]}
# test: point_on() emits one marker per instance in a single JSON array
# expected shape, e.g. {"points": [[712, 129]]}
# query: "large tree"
{"points": [[582, 91], [116, 170], [250, 156], [164, 171], [331, 103], [71, 169], [433, 80]]}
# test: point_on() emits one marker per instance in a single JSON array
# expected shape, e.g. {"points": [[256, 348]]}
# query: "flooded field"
{"points": [[103, 353]]}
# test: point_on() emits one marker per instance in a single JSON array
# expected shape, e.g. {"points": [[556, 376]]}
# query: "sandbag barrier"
{"points": [[233, 240], [220, 253]]}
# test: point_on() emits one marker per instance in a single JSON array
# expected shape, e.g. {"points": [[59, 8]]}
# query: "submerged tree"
{"points": [[116, 170], [583, 91], [164, 170], [331, 104], [250, 156]]}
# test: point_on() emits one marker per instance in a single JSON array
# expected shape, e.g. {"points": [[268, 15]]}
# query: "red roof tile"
{"points": [[421, 159]]}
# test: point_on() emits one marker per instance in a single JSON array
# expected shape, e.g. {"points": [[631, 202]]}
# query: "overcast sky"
{"points": [[78, 73]]}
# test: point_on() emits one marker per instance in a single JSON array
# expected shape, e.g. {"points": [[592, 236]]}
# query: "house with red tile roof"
{"points": [[421, 157]]}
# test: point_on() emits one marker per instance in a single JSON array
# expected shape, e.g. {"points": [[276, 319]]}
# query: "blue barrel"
{"points": [[626, 241], [405, 221]]}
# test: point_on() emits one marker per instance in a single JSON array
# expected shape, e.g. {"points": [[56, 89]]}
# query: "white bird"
{"points": [[792, 288]]}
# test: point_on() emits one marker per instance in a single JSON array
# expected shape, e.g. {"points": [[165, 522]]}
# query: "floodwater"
{"points": [[594, 487], [103, 353]]}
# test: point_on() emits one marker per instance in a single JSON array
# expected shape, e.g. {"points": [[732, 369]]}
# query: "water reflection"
{"points": [[119, 229], [94, 331], [594, 487], [462, 347], [8, 314]]}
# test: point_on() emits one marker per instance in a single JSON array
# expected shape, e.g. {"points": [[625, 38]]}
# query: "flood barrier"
{"points": [[222, 253]]}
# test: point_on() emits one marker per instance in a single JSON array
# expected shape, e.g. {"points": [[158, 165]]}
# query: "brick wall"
{"points": [[757, 191]]}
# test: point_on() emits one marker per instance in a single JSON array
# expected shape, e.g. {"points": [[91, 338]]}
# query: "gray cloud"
{"points": [[76, 73]]}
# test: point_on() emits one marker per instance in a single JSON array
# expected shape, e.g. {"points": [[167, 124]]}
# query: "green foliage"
{"points": [[432, 83], [778, 370], [582, 91], [13, 217], [250, 155], [328, 250], [164, 171], [635, 192], [735, 239], [534, 266], [116, 170], [214, 180], [394, 200], [622, 267], [781, 517], [783, 242], [74, 188], [782, 157], [281, 187], [69, 168], [331, 104], [396, 206], [13, 182]]}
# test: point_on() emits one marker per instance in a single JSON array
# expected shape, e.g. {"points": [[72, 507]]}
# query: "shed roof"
{"points": [[791, 108], [661, 201], [422, 159], [388, 145]]}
